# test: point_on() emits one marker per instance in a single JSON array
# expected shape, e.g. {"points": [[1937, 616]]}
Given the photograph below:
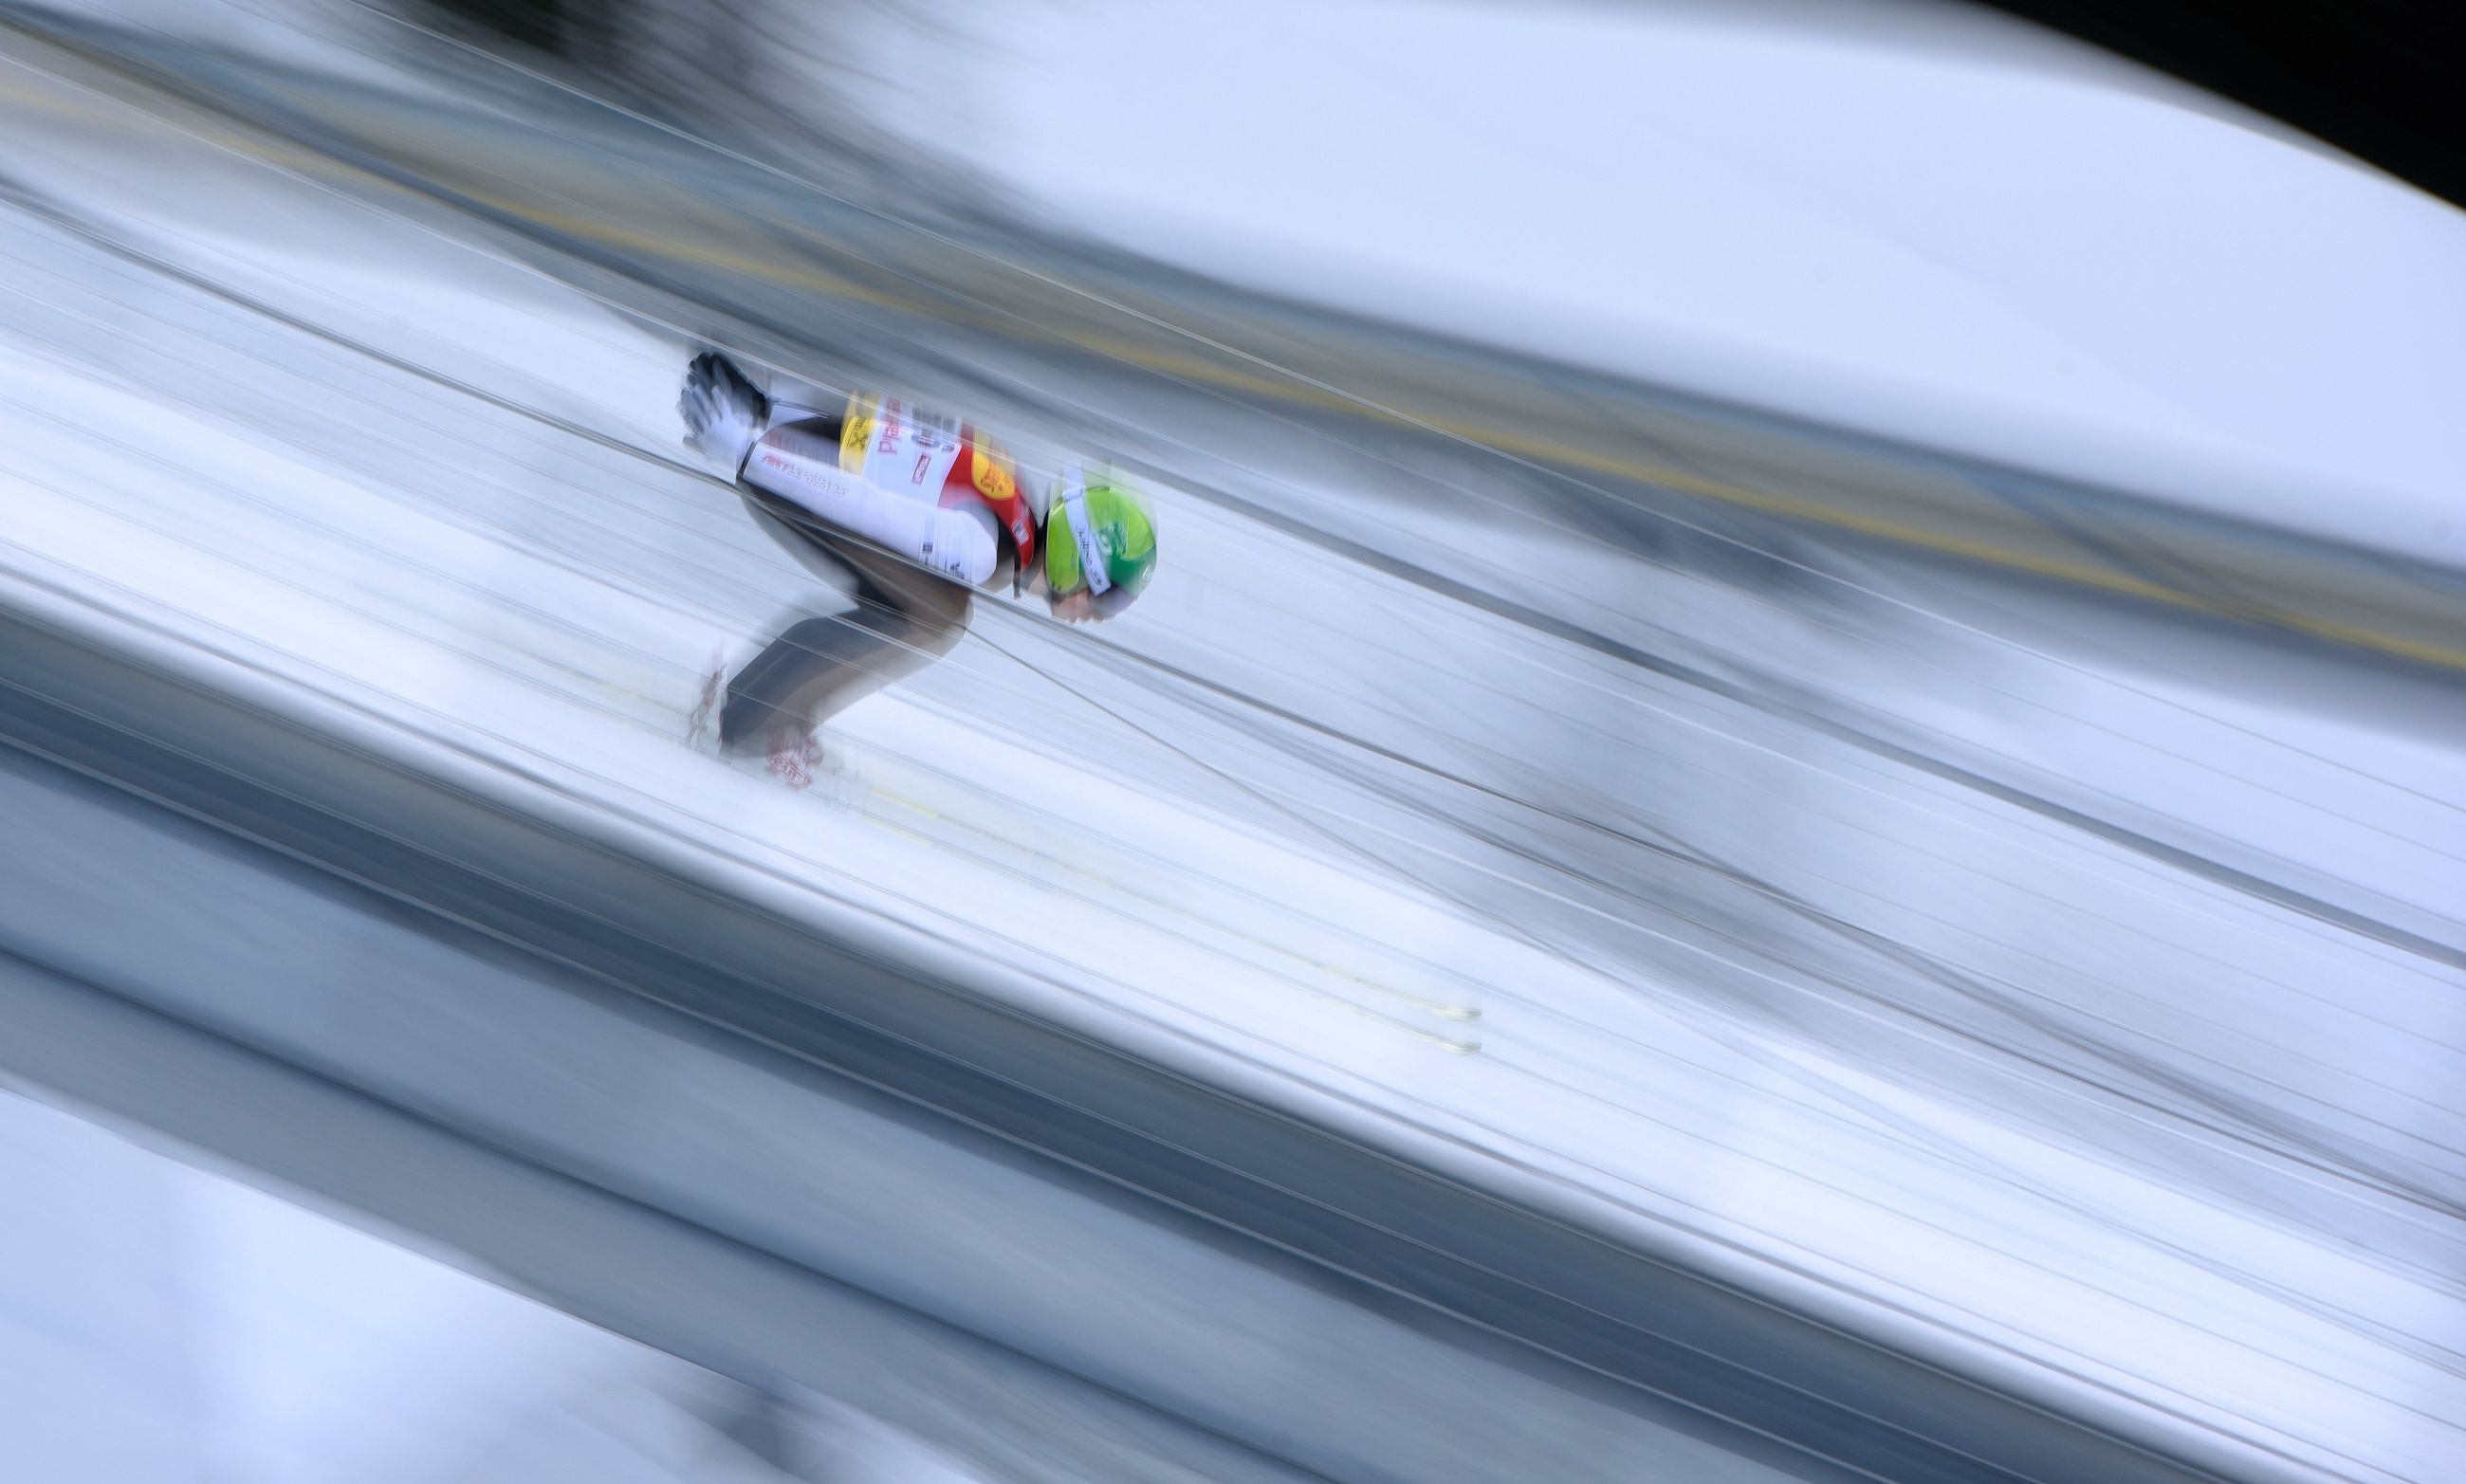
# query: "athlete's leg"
{"points": [[905, 618]]}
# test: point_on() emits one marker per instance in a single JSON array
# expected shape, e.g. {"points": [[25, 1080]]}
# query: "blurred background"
{"points": [[1788, 806]]}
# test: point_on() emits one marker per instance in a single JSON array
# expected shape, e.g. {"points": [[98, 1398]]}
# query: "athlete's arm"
{"points": [[794, 462]]}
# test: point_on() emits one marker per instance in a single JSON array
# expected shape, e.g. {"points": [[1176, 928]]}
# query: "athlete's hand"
{"points": [[723, 411], [1075, 607]]}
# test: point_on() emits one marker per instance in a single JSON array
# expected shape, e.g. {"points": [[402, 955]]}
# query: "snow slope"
{"points": [[166, 1322], [439, 508]]}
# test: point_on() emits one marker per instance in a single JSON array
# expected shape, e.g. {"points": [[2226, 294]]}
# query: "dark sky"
{"points": [[2382, 80]]}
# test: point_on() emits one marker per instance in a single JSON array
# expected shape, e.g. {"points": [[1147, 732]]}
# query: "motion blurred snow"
{"points": [[1918, 1055], [1922, 219]]}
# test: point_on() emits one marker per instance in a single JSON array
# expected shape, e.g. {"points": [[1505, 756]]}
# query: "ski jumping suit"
{"points": [[917, 510]]}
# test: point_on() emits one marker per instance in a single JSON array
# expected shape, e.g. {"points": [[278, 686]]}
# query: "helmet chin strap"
{"points": [[1074, 507]]}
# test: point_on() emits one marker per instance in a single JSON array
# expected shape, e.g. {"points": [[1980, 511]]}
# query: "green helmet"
{"points": [[1107, 512]]}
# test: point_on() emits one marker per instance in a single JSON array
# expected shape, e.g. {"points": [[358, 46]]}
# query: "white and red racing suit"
{"points": [[917, 509]]}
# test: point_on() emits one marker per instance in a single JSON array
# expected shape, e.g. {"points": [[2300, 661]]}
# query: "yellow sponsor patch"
{"points": [[856, 431], [995, 480]]}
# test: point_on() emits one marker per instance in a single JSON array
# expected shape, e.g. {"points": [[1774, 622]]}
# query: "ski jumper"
{"points": [[914, 510]]}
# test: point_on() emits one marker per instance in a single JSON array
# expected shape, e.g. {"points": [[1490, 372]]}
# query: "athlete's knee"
{"points": [[938, 623]]}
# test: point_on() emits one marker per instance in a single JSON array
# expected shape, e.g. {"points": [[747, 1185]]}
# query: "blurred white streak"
{"points": [[1920, 219], [164, 1323]]}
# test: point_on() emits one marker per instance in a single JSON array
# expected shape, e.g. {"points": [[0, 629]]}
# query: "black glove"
{"points": [[723, 411]]}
